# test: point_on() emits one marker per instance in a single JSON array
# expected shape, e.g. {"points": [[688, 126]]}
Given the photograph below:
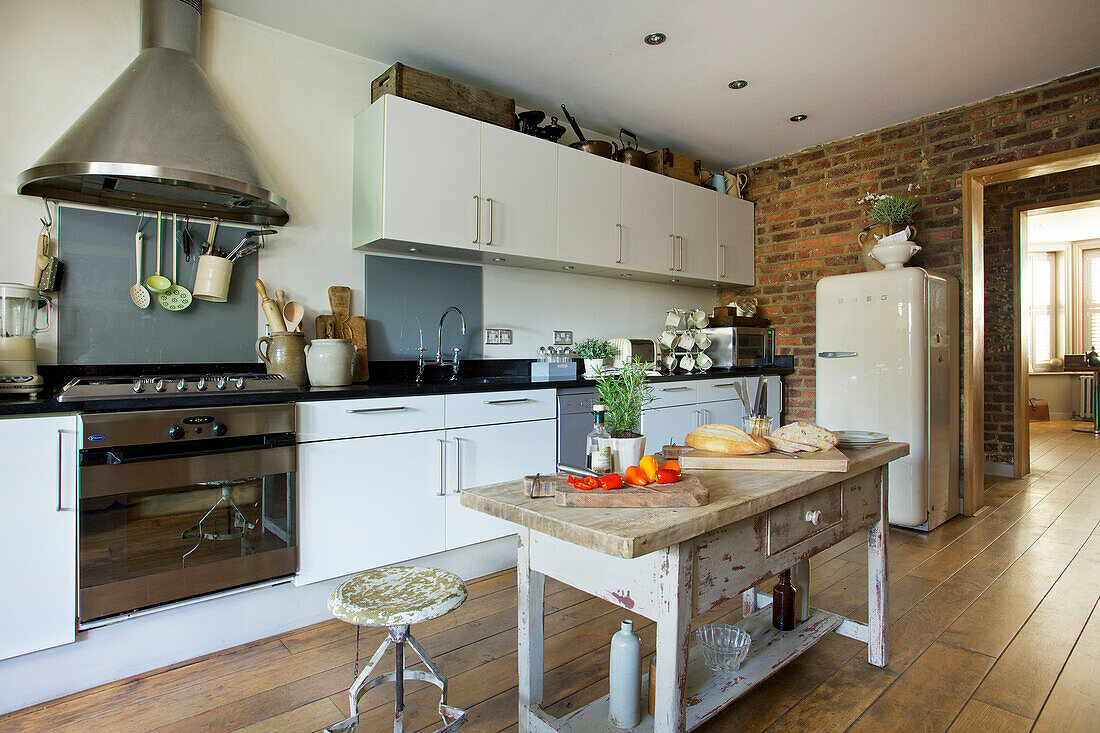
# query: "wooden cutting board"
{"points": [[832, 461], [358, 328], [689, 492]]}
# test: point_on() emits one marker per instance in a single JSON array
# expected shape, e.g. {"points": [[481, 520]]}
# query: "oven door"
{"points": [[155, 528]]}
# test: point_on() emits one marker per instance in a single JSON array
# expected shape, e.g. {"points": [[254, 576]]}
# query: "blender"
{"points": [[19, 306]]}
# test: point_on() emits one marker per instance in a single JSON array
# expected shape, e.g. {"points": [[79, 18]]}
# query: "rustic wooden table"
{"points": [[671, 564]]}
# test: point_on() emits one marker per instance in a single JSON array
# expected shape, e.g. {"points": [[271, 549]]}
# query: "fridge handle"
{"points": [[837, 354]]}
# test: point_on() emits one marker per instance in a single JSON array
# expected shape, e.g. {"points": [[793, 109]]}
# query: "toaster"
{"points": [[648, 350]]}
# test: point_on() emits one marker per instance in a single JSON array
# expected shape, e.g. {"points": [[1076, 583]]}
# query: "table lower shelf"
{"points": [[707, 692]]}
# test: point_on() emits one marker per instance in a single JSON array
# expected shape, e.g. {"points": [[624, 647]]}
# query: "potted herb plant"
{"points": [[624, 396], [890, 214], [597, 354]]}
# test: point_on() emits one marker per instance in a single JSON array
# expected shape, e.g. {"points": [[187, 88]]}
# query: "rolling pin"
{"points": [[271, 309]]}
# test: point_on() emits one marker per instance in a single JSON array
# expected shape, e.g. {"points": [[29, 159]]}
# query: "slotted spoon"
{"points": [[176, 297]]}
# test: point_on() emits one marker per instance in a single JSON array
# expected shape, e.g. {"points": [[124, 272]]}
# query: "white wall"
{"points": [[1059, 389], [295, 101]]}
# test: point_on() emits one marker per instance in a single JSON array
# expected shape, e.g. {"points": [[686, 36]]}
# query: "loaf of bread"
{"points": [[725, 439], [807, 433]]}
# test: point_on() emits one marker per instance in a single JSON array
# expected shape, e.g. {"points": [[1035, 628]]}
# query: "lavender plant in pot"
{"points": [[624, 396], [597, 354]]}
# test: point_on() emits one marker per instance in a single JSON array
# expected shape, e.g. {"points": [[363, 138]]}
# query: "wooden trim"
{"points": [[973, 270], [1021, 348]]}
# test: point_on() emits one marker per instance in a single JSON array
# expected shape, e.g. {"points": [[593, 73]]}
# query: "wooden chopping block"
{"points": [[357, 332], [688, 492], [832, 461], [538, 486]]}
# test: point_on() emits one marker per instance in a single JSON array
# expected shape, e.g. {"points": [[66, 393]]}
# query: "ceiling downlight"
{"points": [[738, 84], [655, 39], [799, 118]]}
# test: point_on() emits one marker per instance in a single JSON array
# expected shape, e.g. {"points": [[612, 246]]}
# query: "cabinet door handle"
{"points": [[477, 219], [368, 410], [672, 252], [726, 385], [620, 228], [680, 267], [722, 248], [60, 466], [490, 242], [506, 402], [442, 466], [458, 470], [676, 389]]}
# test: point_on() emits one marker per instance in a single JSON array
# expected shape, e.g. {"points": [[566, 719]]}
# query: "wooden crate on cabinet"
{"points": [[674, 165], [448, 94]]}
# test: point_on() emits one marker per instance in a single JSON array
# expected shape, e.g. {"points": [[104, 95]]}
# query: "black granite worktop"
{"points": [[388, 379]]}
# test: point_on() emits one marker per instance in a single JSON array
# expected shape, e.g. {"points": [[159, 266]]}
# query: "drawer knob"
{"points": [[813, 517]]}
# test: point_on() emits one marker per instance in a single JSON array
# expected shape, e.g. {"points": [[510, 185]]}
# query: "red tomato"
{"points": [[611, 481], [665, 476]]}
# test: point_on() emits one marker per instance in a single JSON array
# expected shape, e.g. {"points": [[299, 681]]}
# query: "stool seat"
{"points": [[396, 596]]}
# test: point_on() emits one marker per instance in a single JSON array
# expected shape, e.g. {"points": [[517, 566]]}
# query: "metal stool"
{"points": [[396, 598]]}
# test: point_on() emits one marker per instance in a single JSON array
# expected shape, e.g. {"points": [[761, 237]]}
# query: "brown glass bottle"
{"points": [[783, 597]]}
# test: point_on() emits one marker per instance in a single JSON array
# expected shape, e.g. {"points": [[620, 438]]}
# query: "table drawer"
{"points": [[669, 394], [491, 408], [363, 418], [797, 520]]}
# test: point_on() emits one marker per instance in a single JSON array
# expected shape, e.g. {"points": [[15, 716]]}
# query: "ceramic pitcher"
{"points": [[285, 354]]}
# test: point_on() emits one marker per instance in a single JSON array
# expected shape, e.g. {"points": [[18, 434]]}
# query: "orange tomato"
{"points": [[665, 476], [636, 476], [671, 466], [649, 465]]}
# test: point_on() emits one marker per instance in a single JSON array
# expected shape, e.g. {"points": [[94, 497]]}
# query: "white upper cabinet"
{"points": [[442, 185], [736, 241], [588, 209], [519, 186], [417, 173], [695, 225], [647, 219]]}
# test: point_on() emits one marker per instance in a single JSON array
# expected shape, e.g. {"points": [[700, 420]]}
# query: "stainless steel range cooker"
{"points": [[193, 384]]}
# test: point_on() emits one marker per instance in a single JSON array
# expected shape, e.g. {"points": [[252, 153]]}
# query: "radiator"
{"points": [[1086, 397]]}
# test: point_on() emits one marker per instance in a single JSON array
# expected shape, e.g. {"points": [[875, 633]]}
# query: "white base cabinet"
{"points": [[681, 407], [379, 481], [38, 592]]}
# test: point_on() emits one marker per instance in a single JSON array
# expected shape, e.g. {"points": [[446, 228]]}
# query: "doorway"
{"points": [[1056, 253]]}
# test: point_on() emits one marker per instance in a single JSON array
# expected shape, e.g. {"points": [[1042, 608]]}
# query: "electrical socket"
{"points": [[563, 338], [505, 335], [501, 336]]}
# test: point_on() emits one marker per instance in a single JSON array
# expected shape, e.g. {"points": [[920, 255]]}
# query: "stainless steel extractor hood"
{"points": [[159, 138]]}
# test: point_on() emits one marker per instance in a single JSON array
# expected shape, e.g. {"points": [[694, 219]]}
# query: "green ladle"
{"points": [[156, 282]]}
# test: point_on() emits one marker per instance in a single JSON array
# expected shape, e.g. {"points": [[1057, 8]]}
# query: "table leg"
{"points": [[749, 605], [1095, 429], [673, 634], [800, 579], [878, 618], [530, 585]]}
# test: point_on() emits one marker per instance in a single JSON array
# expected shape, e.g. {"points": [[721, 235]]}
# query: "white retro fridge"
{"points": [[887, 361]]}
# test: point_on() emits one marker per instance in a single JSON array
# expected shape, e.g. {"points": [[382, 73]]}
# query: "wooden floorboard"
{"points": [[994, 627]]}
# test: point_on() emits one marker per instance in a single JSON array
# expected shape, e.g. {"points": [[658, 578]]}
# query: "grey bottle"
{"points": [[625, 701]]}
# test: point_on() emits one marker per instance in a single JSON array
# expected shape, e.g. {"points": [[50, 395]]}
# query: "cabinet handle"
{"points": [[368, 410], [680, 267], [60, 467], [722, 247], [458, 472], [724, 386], [490, 242], [620, 228], [477, 219], [442, 466], [814, 517], [506, 402], [672, 252], [676, 389]]}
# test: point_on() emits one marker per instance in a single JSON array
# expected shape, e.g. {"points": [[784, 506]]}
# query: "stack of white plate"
{"points": [[859, 438]]}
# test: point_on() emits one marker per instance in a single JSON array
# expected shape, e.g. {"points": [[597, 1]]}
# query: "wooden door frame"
{"points": [[974, 182], [1021, 427]]}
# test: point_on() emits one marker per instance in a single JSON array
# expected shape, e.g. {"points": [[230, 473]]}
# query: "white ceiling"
{"points": [[1074, 225], [851, 65]]}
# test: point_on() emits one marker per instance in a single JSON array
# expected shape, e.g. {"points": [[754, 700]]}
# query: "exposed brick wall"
{"points": [[1001, 283], [807, 218]]}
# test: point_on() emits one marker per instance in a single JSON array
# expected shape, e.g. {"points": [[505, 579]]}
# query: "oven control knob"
{"points": [[219, 429], [138, 387], [201, 386], [181, 386], [159, 385], [219, 382], [175, 432], [239, 384]]}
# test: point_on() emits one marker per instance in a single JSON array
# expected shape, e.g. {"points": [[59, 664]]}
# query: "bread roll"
{"points": [[807, 432], [726, 439], [789, 446]]}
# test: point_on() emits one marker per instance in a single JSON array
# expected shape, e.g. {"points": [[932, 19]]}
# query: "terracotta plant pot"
{"points": [[868, 238]]}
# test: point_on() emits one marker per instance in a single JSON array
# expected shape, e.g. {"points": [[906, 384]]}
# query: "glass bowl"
{"points": [[724, 646]]}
